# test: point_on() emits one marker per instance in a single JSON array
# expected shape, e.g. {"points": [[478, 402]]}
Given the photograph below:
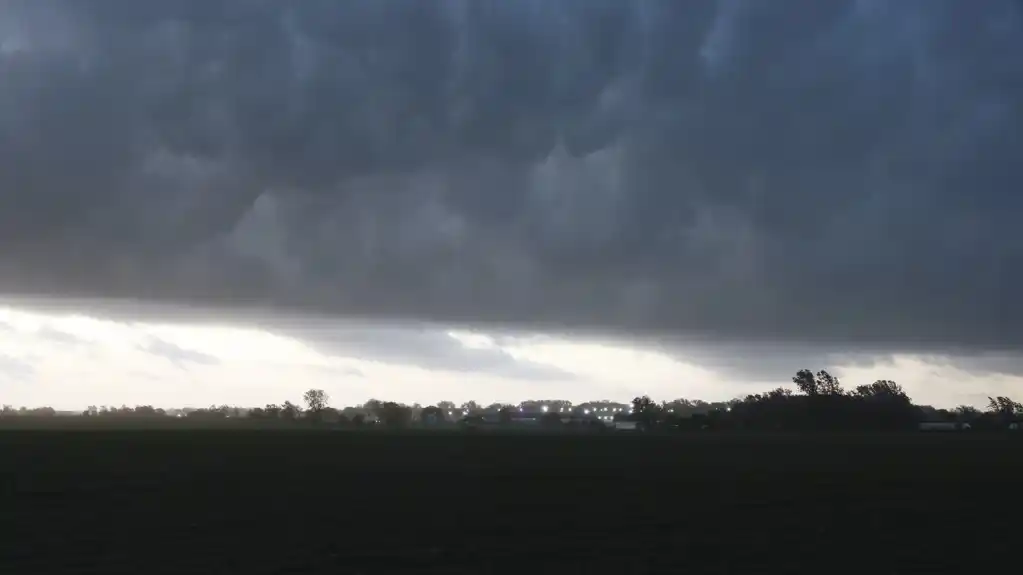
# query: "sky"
{"points": [[681, 198], [69, 360]]}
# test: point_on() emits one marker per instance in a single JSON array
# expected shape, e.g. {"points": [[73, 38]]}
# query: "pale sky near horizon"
{"points": [[70, 361]]}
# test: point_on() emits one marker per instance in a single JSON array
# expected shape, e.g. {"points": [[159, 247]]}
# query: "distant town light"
{"points": [[544, 409]]}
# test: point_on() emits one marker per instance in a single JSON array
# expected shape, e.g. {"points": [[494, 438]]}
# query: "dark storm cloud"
{"points": [[831, 172]]}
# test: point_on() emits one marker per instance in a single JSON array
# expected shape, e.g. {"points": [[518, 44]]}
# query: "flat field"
{"points": [[275, 501]]}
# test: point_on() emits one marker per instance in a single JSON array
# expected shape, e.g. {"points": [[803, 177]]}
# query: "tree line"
{"points": [[820, 402], [817, 402]]}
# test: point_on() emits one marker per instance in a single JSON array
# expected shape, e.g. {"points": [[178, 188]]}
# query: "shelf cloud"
{"points": [[845, 172]]}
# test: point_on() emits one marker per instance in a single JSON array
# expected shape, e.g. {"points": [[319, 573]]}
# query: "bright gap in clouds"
{"points": [[70, 361]]}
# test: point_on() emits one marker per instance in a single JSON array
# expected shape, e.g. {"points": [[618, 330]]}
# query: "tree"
{"points": [[883, 404], [828, 384], [644, 404], [504, 416], [806, 382], [290, 411], [431, 415], [883, 389], [966, 413], [645, 411], [393, 414], [550, 419], [315, 400], [823, 383], [1004, 408], [271, 411]]}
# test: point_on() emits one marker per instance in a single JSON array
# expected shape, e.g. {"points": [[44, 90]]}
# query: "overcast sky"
{"points": [[738, 188]]}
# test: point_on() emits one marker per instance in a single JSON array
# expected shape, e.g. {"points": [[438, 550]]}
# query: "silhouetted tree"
{"points": [[806, 382], [449, 408], [212, 412], [271, 411], [315, 400], [966, 413], [828, 384], [1004, 409], [550, 419], [505, 415], [826, 405], [645, 411], [393, 414], [883, 404], [431, 415], [1003, 405], [290, 411]]}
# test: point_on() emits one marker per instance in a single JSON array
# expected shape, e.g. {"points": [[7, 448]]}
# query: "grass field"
{"points": [[250, 501]]}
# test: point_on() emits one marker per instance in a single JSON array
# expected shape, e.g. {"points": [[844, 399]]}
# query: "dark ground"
{"points": [[340, 502]]}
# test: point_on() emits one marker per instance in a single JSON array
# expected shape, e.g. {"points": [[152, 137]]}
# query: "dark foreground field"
{"points": [[305, 502]]}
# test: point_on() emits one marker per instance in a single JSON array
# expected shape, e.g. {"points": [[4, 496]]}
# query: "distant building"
{"points": [[605, 411]]}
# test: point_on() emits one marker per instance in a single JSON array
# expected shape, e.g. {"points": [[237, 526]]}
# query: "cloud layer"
{"points": [[843, 171]]}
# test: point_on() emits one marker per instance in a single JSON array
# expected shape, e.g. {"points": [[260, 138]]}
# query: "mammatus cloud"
{"points": [[839, 172]]}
